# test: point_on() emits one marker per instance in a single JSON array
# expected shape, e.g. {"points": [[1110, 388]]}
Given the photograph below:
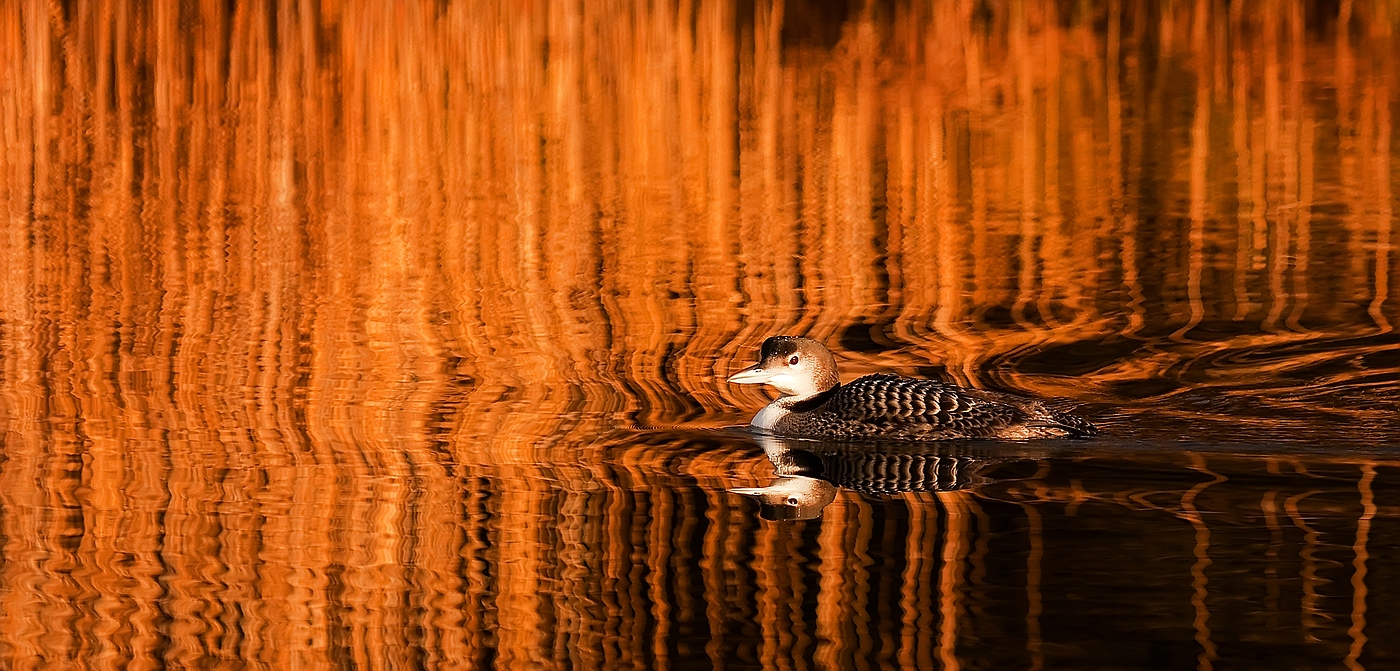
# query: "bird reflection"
{"points": [[791, 497], [807, 474]]}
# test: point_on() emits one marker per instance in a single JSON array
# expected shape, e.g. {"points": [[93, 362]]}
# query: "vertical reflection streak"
{"points": [[915, 600], [521, 637], [1386, 214], [833, 588], [1199, 166], [953, 277], [713, 568], [1269, 506], [1349, 143], [1053, 252], [1026, 142], [949, 246], [1359, 592], [977, 593], [1244, 193], [800, 640], [662, 513], [950, 587], [858, 592], [1256, 182], [1206, 659], [1118, 187], [1281, 136], [1303, 142], [772, 596], [1310, 613], [1035, 534]]}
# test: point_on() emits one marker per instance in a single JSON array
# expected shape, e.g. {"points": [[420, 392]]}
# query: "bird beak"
{"points": [[755, 374]]}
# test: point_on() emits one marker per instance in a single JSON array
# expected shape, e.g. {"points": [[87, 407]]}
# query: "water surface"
{"points": [[395, 337]]}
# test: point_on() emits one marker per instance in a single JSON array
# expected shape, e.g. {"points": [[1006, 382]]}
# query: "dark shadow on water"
{"points": [[1083, 554]]}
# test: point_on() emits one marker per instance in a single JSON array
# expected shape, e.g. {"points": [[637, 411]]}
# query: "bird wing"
{"points": [[899, 402]]}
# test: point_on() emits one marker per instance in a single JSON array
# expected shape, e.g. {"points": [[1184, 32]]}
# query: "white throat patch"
{"points": [[768, 417], [790, 384]]}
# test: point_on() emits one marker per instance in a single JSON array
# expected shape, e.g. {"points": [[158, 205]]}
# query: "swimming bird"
{"points": [[814, 403]]}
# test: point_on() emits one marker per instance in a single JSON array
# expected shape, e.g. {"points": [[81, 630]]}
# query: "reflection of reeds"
{"points": [[1320, 509], [1199, 580], [295, 299], [584, 165], [1359, 591]]}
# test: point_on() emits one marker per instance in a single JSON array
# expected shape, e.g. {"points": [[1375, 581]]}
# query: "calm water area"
{"points": [[395, 335]]}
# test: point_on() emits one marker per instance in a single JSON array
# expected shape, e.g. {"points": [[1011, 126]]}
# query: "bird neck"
{"points": [[808, 402]]}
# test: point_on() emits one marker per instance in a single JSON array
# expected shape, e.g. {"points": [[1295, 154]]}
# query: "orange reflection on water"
{"points": [[324, 328]]}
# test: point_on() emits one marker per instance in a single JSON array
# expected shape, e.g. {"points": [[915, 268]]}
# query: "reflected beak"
{"points": [[789, 489], [784, 491], [755, 374], [750, 491], [791, 497]]}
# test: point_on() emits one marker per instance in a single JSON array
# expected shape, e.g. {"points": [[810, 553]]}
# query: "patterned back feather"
{"points": [[898, 407]]}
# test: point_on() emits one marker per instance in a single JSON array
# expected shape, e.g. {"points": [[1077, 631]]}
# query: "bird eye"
{"points": [[793, 360], [792, 500]]}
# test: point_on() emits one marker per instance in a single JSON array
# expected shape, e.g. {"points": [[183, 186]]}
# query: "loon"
{"points": [[814, 403]]}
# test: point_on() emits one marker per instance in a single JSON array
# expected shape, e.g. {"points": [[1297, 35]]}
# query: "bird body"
{"points": [[815, 404]]}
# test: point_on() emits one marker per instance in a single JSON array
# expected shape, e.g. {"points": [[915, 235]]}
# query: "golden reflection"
{"points": [[1199, 580], [325, 330], [1359, 591], [1035, 557], [950, 583], [916, 601]]}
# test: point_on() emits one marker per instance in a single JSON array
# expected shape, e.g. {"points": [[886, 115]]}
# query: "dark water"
{"points": [[396, 336]]}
